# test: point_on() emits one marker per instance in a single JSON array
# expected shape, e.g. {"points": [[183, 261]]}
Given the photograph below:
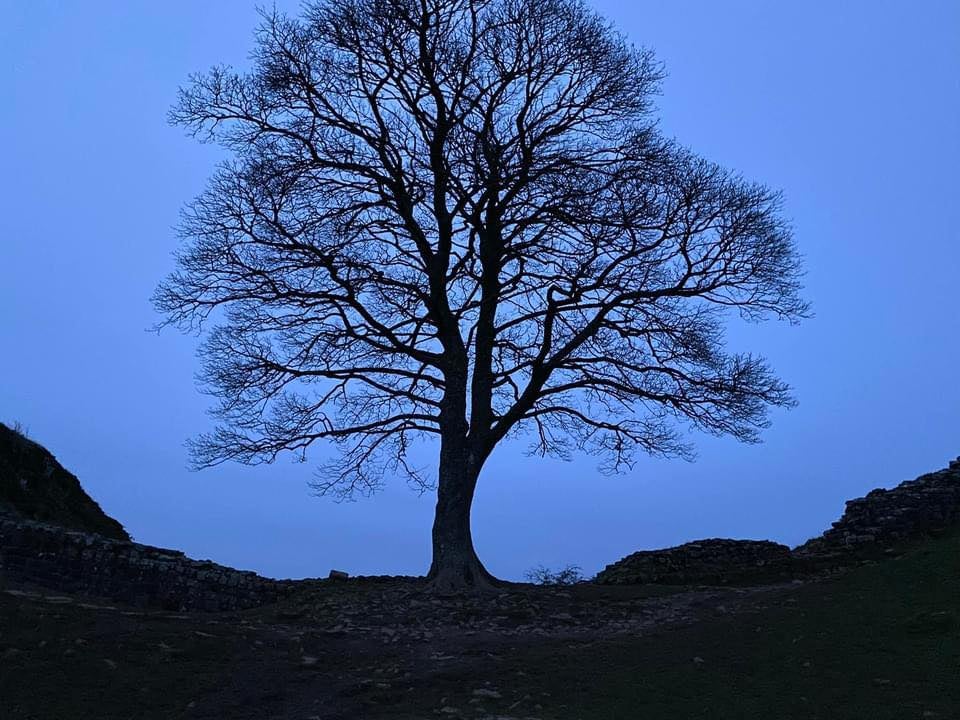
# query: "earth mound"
{"points": [[34, 486]]}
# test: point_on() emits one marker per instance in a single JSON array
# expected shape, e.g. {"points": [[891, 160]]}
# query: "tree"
{"points": [[458, 219]]}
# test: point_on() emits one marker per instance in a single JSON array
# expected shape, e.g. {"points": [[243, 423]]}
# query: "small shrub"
{"points": [[21, 430], [570, 575]]}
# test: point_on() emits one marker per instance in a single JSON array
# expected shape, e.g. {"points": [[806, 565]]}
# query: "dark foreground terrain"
{"points": [[882, 641]]}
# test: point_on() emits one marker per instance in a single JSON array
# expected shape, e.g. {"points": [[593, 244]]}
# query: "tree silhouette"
{"points": [[458, 219]]}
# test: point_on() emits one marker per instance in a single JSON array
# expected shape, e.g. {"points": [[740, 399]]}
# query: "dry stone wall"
{"points": [[72, 561], [870, 526], [885, 518], [704, 562], [126, 572]]}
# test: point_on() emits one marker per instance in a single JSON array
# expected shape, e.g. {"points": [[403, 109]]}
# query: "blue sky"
{"points": [[852, 108]]}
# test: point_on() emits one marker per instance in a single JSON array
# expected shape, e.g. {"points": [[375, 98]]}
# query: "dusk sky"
{"points": [[851, 108]]}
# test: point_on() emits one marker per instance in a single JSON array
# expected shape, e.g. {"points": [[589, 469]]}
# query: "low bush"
{"points": [[570, 575]]}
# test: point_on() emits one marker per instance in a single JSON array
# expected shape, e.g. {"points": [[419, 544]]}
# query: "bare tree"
{"points": [[458, 219]]}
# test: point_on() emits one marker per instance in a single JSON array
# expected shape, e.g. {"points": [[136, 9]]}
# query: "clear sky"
{"points": [[852, 108]]}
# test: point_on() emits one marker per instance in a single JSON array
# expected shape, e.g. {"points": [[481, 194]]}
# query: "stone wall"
{"points": [[126, 572], [872, 525], [704, 562], [885, 518], [71, 561]]}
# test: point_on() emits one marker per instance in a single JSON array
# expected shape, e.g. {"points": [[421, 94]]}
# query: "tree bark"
{"points": [[455, 563]]}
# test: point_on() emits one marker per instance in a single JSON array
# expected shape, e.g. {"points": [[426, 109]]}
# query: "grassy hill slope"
{"points": [[880, 642], [35, 486]]}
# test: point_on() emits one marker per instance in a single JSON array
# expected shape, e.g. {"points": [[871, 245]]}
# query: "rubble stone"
{"points": [[703, 562], [141, 575], [884, 519]]}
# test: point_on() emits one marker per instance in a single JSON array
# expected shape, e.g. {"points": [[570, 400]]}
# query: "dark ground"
{"points": [[882, 641]]}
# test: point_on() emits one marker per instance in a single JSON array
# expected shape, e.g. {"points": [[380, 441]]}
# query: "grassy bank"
{"points": [[880, 642]]}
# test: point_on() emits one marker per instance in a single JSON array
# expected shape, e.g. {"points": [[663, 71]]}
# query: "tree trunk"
{"points": [[455, 564]]}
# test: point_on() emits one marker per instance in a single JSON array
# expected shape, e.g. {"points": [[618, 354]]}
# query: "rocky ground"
{"points": [[871, 631], [347, 650], [881, 641]]}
